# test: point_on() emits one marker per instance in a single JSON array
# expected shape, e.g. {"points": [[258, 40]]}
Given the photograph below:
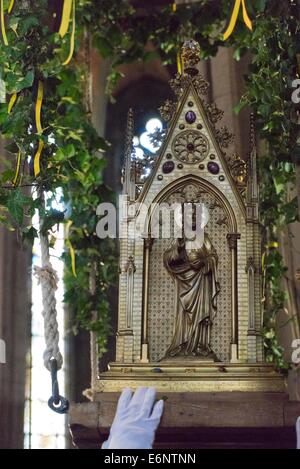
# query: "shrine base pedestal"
{"points": [[189, 376], [200, 420]]}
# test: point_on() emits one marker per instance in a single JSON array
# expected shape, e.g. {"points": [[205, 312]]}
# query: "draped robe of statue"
{"points": [[195, 273]]}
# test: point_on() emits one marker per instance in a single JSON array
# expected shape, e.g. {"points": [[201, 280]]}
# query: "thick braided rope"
{"points": [[48, 279]]}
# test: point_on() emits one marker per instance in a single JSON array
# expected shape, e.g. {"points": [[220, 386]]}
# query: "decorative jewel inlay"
{"points": [[191, 147], [190, 117], [213, 167]]}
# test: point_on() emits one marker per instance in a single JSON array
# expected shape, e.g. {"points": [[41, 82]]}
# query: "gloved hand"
{"points": [[136, 420], [298, 433]]}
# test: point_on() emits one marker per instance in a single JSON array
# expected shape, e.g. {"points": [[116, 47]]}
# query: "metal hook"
{"points": [[57, 403]]}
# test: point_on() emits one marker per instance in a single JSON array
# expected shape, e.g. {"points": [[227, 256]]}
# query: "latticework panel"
{"points": [[162, 298], [161, 302]]}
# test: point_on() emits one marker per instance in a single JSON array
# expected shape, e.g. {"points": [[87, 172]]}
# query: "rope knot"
{"points": [[46, 274]]}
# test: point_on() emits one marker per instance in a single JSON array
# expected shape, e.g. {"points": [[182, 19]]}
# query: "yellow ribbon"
{"points": [[66, 16], [4, 37], [234, 18], [71, 249], [38, 107], [263, 277], [273, 245], [11, 103], [11, 5], [179, 64], [37, 159], [15, 180], [72, 41], [39, 129]]}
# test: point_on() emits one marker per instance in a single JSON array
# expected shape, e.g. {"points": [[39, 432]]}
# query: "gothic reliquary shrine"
{"points": [[190, 311]]}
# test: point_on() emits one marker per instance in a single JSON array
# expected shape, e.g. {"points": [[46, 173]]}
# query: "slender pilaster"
{"points": [[232, 241], [145, 342], [250, 270], [130, 270]]}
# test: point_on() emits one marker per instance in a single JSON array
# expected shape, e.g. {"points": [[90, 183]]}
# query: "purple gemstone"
{"points": [[213, 168], [168, 167], [190, 117], [190, 147]]}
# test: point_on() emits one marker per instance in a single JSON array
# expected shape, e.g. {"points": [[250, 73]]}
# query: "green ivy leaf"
{"points": [[12, 147], [25, 82], [104, 46], [55, 217], [237, 109], [16, 203], [29, 235]]}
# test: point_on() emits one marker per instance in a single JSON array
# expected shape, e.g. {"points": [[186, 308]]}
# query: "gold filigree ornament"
{"points": [[224, 137], [238, 169], [214, 113], [190, 56], [167, 110], [178, 85]]}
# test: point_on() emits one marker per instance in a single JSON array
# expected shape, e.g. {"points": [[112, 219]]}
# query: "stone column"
{"points": [[145, 342], [15, 307], [232, 241]]}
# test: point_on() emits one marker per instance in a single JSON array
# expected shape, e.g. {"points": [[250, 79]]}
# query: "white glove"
{"points": [[298, 433], [136, 420]]}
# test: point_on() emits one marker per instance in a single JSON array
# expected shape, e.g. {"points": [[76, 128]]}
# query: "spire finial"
{"points": [[191, 57], [252, 133], [252, 196], [127, 172], [129, 131]]}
